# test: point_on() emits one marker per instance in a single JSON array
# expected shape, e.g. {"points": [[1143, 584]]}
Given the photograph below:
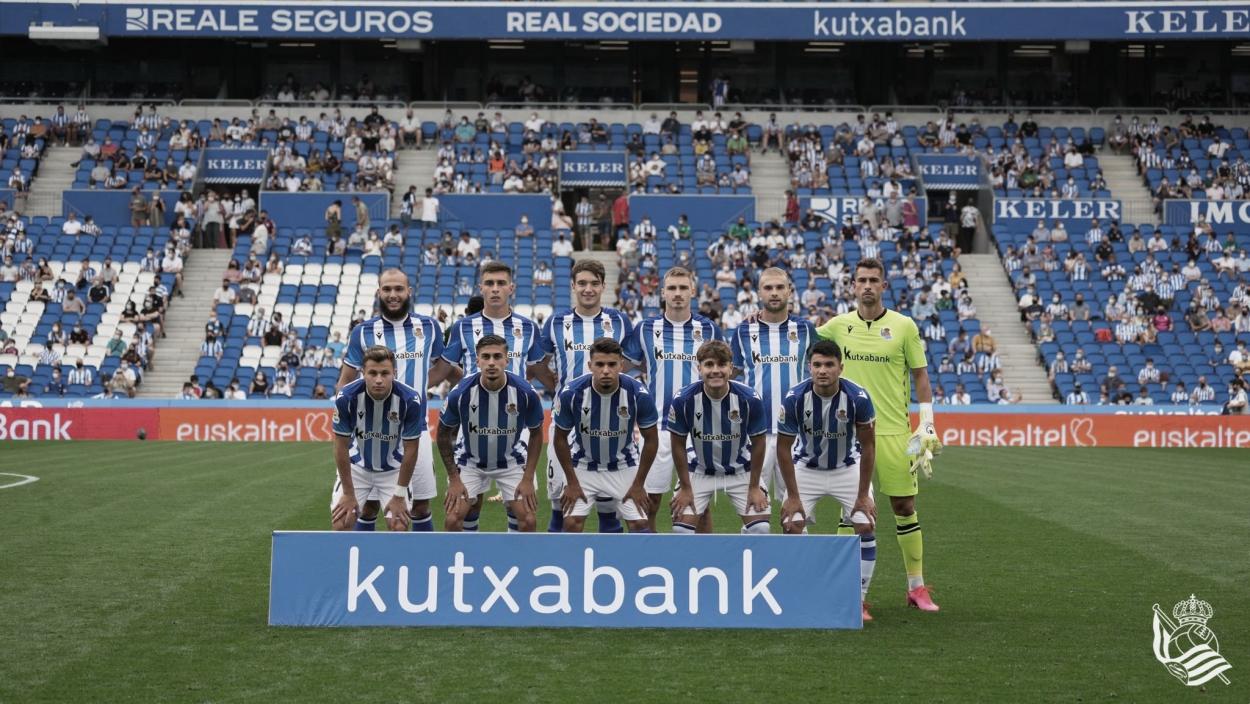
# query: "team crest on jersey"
{"points": [[697, 334], [516, 330], [393, 416], [418, 331], [794, 336], [607, 326], [841, 415], [735, 417], [622, 411], [885, 334], [510, 409], [336, 415]]}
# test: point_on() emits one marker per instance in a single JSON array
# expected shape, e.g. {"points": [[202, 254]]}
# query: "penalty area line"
{"points": [[21, 480]]}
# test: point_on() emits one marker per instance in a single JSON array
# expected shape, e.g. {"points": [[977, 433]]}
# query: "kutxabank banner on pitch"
{"points": [[793, 21], [564, 580]]}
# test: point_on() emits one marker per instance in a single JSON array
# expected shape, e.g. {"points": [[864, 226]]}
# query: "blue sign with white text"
{"points": [[949, 171], [836, 209], [226, 165], [592, 169], [1222, 215], [560, 21], [1029, 211], [564, 580]]}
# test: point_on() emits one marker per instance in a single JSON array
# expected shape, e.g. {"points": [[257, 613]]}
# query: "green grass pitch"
{"points": [[139, 573]]}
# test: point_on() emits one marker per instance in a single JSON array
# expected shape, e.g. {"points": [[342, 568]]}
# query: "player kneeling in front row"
{"points": [[722, 427], [378, 424], [833, 421], [481, 438], [595, 415]]}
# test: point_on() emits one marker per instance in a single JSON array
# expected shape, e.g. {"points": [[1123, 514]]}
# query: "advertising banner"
{"points": [[592, 169], [562, 21], [226, 165], [969, 426], [308, 209], [949, 171], [836, 208], [1224, 215], [564, 580], [1073, 213]]}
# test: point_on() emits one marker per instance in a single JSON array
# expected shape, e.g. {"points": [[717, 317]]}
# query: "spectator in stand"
{"points": [[1077, 396], [234, 392], [1202, 392], [260, 385]]}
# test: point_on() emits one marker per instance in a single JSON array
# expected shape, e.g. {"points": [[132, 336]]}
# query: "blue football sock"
{"points": [[365, 525], [512, 523], [557, 521], [424, 524], [609, 523], [470, 522]]}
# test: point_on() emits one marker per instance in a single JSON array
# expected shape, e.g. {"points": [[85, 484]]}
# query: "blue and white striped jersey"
{"points": [[416, 341], [773, 358], [520, 332], [601, 437], [718, 431], [378, 428], [568, 336], [825, 427], [666, 351], [489, 424]]}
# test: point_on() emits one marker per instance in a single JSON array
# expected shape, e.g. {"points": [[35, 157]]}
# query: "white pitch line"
{"points": [[22, 479]]}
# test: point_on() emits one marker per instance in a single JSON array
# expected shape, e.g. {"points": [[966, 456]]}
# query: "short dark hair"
{"points": [[591, 266], [826, 348], [606, 345], [490, 341], [379, 354], [870, 263], [715, 350], [495, 266]]}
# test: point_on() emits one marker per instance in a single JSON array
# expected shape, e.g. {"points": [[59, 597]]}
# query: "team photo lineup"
{"points": [[797, 427], [613, 350]]}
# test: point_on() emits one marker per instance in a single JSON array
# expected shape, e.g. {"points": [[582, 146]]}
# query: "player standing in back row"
{"points": [[566, 339], [665, 347], [417, 341], [882, 352]]}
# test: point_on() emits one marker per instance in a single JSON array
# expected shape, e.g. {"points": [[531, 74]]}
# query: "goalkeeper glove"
{"points": [[924, 443]]}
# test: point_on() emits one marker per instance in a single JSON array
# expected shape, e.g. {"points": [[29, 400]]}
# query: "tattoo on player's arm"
{"points": [[447, 450]]}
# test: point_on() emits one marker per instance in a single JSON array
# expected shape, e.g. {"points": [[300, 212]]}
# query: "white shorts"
{"points": [[477, 481], [369, 486], [660, 478], [423, 486], [704, 486], [815, 484], [610, 484]]}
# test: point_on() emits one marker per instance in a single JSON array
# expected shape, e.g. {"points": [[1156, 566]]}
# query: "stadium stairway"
{"points": [[413, 167], [612, 272], [996, 309], [178, 353], [55, 175], [770, 179], [1126, 184]]}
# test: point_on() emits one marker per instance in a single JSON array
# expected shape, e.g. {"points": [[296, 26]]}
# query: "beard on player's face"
{"points": [[396, 310]]}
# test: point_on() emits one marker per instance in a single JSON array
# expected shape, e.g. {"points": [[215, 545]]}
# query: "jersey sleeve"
{"points": [[450, 417], [454, 350], [913, 347], [676, 422], [627, 328], [415, 419], [788, 423], [714, 331], [632, 345], [562, 410], [535, 353], [735, 346], [355, 354], [648, 415], [436, 340], [864, 411], [533, 410], [546, 340], [825, 332], [342, 416], [757, 420]]}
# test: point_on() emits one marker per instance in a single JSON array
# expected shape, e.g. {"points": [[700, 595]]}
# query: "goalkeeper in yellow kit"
{"points": [[882, 352]]}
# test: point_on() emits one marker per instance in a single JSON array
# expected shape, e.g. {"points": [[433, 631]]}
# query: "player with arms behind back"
{"points": [[664, 347], [481, 438], [595, 416], [884, 354], [722, 425], [832, 419], [417, 341], [378, 424], [566, 340]]}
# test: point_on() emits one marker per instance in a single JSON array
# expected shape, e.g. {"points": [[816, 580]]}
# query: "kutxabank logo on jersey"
{"points": [[1186, 646]]}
